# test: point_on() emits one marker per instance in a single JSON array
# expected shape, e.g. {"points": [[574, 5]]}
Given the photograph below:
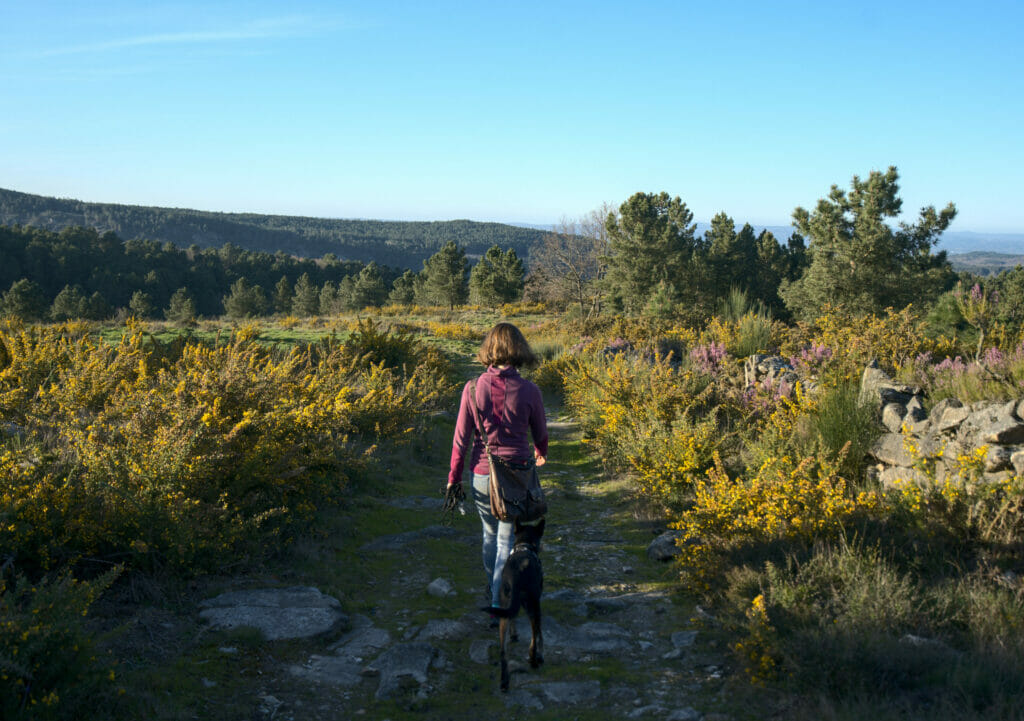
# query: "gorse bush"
{"points": [[49, 665], [179, 461]]}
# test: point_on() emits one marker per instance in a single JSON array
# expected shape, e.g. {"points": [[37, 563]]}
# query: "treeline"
{"points": [[80, 273], [645, 258], [391, 243]]}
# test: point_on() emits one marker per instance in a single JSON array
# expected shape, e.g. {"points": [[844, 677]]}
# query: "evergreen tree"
{"points": [[96, 307], [330, 303], [445, 276], [283, 295], [141, 305], [857, 260], [24, 300], [651, 241], [305, 300], [244, 300], [497, 278], [346, 294], [69, 303], [403, 290], [181, 309], [369, 288]]}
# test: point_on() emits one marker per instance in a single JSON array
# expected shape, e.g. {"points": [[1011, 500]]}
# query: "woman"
{"points": [[511, 410]]}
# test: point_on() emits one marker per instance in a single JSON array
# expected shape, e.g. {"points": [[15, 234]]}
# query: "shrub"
{"points": [[49, 665]]}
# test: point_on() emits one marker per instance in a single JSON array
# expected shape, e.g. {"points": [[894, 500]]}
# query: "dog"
{"points": [[522, 581]]}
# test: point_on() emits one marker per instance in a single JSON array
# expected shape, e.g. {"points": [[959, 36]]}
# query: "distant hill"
{"points": [[985, 263], [394, 243]]}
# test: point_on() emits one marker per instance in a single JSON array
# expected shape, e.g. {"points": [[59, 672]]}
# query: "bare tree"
{"points": [[566, 267]]}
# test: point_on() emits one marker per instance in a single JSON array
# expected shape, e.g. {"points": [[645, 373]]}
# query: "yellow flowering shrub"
{"points": [[893, 339], [179, 460], [648, 415], [796, 502], [456, 331], [48, 662]]}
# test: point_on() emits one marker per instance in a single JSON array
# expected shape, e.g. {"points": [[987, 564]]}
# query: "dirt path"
{"points": [[620, 641]]}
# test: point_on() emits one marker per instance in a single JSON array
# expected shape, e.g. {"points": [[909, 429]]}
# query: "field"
{"points": [[149, 467]]}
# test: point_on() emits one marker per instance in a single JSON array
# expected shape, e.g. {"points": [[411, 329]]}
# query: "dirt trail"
{"points": [[619, 642]]}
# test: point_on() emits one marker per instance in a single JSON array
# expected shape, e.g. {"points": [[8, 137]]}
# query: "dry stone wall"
{"points": [[928, 448]]}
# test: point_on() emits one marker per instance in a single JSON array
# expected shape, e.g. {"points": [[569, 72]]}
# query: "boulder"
{"points": [[1003, 430], [1017, 461]]}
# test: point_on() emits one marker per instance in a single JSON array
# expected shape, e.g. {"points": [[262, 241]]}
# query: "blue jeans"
{"points": [[497, 536]]}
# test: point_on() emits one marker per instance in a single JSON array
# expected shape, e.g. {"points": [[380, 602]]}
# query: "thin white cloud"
{"points": [[256, 30]]}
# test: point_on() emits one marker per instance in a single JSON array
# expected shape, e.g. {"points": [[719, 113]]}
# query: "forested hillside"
{"points": [[393, 243]]}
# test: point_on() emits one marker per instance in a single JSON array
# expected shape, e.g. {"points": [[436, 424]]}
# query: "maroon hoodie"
{"points": [[511, 410]]}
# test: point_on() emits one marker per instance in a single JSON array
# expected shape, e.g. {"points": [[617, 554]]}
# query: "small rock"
{"points": [[664, 547], [207, 683], [683, 639], [229, 650], [442, 629], [571, 692], [644, 710], [440, 588], [403, 667], [684, 714], [479, 650], [525, 699], [674, 654]]}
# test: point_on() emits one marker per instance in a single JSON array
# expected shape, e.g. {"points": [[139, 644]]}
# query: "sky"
{"points": [[529, 112]]}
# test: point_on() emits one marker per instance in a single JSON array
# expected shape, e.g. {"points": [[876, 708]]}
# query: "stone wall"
{"points": [[950, 432]]}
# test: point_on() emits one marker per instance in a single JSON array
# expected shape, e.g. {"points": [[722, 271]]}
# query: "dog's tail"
{"points": [[498, 611]]}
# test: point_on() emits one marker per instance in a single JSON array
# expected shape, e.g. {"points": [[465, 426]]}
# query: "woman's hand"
{"points": [[541, 460]]}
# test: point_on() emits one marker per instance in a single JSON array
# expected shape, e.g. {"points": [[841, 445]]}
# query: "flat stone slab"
{"points": [[591, 637], [442, 629], [396, 541], [570, 692], [402, 667], [334, 670], [279, 613]]}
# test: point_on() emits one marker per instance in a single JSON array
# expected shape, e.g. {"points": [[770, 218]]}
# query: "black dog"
{"points": [[522, 581]]}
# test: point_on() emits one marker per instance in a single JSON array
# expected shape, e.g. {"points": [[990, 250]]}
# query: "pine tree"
{"points": [[858, 260], [445, 276], [24, 300], [181, 309], [283, 295], [651, 241], [497, 278], [305, 300], [369, 288], [141, 305], [69, 303], [244, 300], [403, 290]]}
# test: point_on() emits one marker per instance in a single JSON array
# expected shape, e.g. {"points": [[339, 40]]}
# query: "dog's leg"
{"points": [[537, 636], [502, 629]]}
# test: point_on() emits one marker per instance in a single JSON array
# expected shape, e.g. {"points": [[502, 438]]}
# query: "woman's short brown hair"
{"points": [[506, 346]]}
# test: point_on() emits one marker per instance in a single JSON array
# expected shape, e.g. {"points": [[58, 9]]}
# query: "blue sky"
{"points": [[526, 111]]}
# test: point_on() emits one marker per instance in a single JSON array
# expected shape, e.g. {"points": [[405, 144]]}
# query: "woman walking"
{"points": [[511, 411]]}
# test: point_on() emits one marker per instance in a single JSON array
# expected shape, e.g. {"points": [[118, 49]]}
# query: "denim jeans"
{"points": [[497, 536]]}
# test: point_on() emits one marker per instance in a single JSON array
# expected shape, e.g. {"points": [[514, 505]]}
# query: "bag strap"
{"points": [[476, 415]]}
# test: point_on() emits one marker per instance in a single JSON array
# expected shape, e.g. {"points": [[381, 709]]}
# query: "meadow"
{"points": [[148, 451]]}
